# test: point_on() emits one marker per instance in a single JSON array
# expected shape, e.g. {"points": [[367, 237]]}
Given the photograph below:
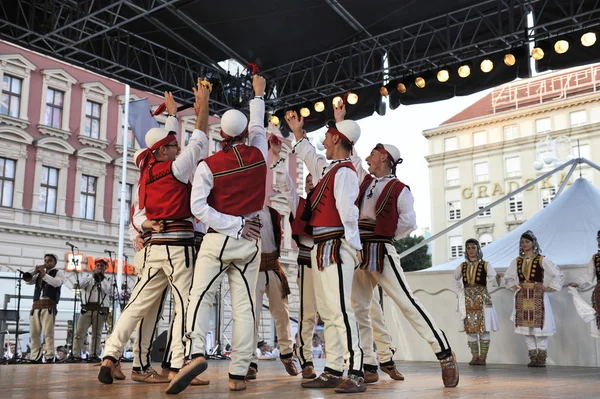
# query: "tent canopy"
{"points": [[566, 231]]}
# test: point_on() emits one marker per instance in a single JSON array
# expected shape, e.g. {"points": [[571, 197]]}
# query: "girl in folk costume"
{"points": [[592, 276], [474, 303], [532, 312]]}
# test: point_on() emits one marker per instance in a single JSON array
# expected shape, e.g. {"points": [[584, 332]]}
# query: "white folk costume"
{"points": [[308, 308], [46, 296], [228, 190], [477, 313], [532, 313], [164, 196], [387, 214], [333, 216], [273, 282], [95, 302], [588, 280]]}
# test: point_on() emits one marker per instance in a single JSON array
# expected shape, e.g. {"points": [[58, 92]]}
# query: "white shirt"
{"points": [[91, 293], [587, 280], [267, 235], [53, 281], [345, 190], [457, 283], [203, 184], [288, 190], [407, 218]]}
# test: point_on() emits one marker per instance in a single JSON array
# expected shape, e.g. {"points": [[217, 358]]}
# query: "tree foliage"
{"points": [[417, 260]]}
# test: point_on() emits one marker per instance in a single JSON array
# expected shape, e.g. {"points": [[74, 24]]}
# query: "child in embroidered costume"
{"points": [[471, 279], [532, 313], [587, 281]]}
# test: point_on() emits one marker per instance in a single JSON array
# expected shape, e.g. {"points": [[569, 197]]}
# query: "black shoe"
{"points": [[51, 361]]}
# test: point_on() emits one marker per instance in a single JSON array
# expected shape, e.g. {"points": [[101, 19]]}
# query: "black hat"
{"points": [[261, 343]]}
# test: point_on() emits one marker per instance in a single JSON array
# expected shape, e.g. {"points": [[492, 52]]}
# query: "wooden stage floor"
{"points": [[423, 380]]}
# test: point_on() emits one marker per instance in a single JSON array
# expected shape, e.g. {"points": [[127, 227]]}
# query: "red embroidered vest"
{"points": [[386, 209], [322, 200], [297, 224], [239, 180], [166, 197]]}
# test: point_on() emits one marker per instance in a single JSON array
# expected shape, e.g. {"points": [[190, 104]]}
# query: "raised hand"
{"points": [[201, 93], [170, 103], [259, 84], [139, 243], [295, 123], [339, 111], [275, 146]]}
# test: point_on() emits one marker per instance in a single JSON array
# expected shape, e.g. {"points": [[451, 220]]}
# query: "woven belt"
{"points": [[366, 229], [269, 261], [93, 306], [325, 234], [44, 304], [175, 232], [304, 257]]}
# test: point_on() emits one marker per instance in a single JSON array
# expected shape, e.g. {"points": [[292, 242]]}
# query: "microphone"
{"points": [[71, 245], [107, 251]]}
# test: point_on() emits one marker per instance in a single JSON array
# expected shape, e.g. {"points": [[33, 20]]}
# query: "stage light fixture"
{"points": [[443, 75], [319, 106], [561, 46], [274, 120], [383, 91], [464, 71], [352, 98], [305, 112], [588, 39], [336, 100], [420, 82], [401, 88], [510, 59], [537, 53], [486, 65]]}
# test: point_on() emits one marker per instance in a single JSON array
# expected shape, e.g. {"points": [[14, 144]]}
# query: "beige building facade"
{"points": [[488, 150]]}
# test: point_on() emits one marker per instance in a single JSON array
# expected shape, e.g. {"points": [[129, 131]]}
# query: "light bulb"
{"points": [[537, 53], [464, 71], [420, 82], [588, 39], [319, 106], [401, 88], [443, 75], [352, 98], [486, 65], [510, 59], [561, 46], [305, 112], [336, 100], [274, 120]]}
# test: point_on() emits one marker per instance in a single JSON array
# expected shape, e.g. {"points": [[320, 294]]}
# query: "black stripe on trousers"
{"points": [[141, 289], [158, 317], [246, 282], [347, 324], [140, 336], [206, 290], [445, 347], [175, 290], [300, 353]]}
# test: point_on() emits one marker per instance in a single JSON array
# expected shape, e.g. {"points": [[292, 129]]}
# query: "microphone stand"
{"points": [[115, 288], [76, 290], [15, 359]]}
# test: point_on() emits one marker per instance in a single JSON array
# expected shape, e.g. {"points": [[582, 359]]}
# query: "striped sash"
{"points": [[328, 241]]}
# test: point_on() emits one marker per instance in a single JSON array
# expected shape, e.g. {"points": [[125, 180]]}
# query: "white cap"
{"points": [[155, 135], [393, 151], [350, 129], [136, 157], [233, 123]]}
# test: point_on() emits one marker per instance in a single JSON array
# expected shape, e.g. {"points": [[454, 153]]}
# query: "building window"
{"points": [[216, 146], [187, 135], [48, 190], [578, 118], [582, 151], [479, 138], [515, 204], [452, 177], [454, 210], [92, 120], [485, 239], [7, 178], [513, 166], [87, 206], [481, 172], [511, 132], [482, 203], [548, 196], [543, 125], [451, 144], [11, 96], [54, 108], [128, 188], [456, 246]]}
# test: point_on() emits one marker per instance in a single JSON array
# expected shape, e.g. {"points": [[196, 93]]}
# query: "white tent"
{"points": [[566, 231]]}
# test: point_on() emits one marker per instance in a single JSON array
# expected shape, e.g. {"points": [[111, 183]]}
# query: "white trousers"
{"points": [[333, 289], [307, 316], [163, 265], [536, 343], [96, 320], [42, 321], [268, 283], [394, 283], [381, 335], [240, 259], [477, 337]]}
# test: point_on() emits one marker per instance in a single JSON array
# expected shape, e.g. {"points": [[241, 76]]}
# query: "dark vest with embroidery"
{"points": [[537, 270], [597, 265], [43, 289], [480, 273], [277, 232]]}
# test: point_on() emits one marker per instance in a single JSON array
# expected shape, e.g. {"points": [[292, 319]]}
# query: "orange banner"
{"points": [[75, 262]]}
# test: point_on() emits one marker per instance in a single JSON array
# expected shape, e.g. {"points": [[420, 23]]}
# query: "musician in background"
{"points": [[47, 280], [95, 299]]}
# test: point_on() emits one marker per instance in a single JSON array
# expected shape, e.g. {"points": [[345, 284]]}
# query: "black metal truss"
{"points": [[94, 34]]}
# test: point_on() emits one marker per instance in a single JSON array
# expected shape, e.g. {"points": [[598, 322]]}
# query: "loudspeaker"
{"points": [[158, 347]]}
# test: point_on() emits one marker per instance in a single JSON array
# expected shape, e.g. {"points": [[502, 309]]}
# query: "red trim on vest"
{"points": [[166, 197], [239, 180], [324, 211], [386, 207], [297, 224], [277, 230]]}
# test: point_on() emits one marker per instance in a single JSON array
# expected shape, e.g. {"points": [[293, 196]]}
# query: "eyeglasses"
{"points": [[172, 145]]}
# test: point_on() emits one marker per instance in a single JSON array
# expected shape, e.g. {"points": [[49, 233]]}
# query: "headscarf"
{"points": [[531, 237], [479, 251], [228, 140]]}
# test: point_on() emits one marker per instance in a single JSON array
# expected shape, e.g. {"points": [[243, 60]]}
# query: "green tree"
{"points": [[417, 260]]}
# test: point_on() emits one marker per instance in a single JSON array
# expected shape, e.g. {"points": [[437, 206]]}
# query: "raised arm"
{"points": [[284, 180], [315, 163], [257, 135]]}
